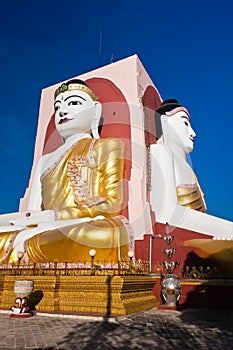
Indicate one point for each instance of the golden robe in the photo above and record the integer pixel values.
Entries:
(191, 196)
(87, 181)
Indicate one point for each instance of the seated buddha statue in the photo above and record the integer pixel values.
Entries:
(76, 195)
(176, 196)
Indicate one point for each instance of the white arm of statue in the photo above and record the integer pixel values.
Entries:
(46, 226)
(35, 200)
(163, 187)
(164, 200)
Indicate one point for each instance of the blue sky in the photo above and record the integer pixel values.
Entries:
(185, 46)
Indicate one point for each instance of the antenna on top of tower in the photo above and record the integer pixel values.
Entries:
(112, 58)
(100, 45)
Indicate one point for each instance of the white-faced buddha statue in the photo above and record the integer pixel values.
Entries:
(176, 196)
(76, 195)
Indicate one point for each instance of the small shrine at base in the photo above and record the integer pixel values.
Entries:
(110, 184)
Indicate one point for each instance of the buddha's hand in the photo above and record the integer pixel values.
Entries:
(99, 217)
(34, 218)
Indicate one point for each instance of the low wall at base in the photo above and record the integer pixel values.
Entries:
(214, 293)
(90, 295)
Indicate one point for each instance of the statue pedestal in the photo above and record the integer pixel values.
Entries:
(24, 315)
(107, 296)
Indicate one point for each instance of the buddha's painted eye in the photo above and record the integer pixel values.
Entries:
(186, 123)
(56, 107)
(74, 103)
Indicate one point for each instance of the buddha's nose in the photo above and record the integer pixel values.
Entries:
(192, 132)
(62, 113)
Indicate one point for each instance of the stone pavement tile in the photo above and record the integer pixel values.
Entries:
(152, 329)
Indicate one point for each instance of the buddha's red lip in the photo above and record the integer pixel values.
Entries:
(65, 120)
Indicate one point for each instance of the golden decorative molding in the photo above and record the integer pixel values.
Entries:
(96, 295)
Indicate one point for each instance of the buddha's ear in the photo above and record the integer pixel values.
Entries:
(158, 125)
(96, 120)
(161, 127)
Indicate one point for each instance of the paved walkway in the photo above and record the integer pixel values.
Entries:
(152, 329)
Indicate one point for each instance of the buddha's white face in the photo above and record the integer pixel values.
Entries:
(74, 113)
(178, 131)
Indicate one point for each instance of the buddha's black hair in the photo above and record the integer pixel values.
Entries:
(166, 106)
(76, 81)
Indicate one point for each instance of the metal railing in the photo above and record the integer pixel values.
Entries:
(75, 269)
(127, 267)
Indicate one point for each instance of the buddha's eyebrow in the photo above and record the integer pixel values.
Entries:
(74, 96)
(184, 116)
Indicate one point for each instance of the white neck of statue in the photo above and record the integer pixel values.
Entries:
(176, 150)
(76, 136)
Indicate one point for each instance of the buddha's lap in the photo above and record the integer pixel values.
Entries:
(72, 242)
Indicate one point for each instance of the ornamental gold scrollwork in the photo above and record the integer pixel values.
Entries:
(80, 172)
(200, 272)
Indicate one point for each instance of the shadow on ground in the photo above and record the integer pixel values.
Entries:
(154, 330)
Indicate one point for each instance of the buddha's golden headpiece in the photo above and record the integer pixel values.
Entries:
(75, 84)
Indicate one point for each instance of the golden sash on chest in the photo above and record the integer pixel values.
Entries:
(191, 196)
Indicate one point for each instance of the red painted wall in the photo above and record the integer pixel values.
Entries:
(185, 255)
